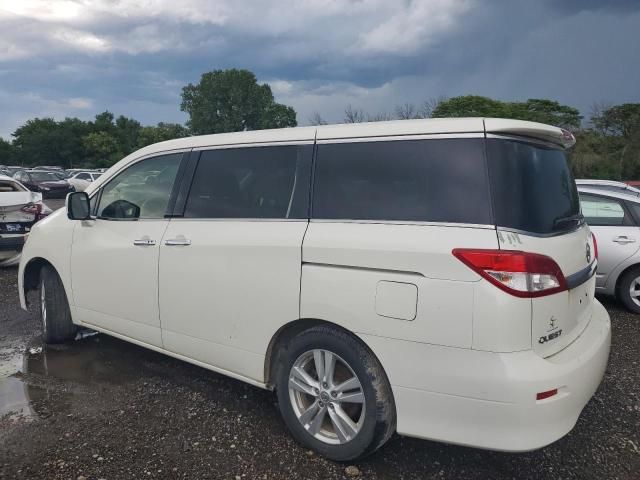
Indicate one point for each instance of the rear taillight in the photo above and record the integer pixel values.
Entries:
(518, 273)
(34, 209)
(595, 245)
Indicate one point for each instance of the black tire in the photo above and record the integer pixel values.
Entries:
(624, 294)
(53, 308)
(379, 421)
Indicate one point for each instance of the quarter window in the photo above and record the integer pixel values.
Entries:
(441, 180)
(252, 182)
(600, 211)
(141, 191)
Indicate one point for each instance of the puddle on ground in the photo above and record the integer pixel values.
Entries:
(35, 380)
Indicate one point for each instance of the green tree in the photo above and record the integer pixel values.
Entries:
(102, 149)
(43, 141)
(231, 101)
(619, 120)
(127, 132)
(470, 106)
(160, 133)
(545, 111)
(534, 109)
(6, 152)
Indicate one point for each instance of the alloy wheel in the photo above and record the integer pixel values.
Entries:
(326, 396)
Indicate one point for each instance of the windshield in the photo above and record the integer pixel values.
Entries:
(43, 177)
(532, 186)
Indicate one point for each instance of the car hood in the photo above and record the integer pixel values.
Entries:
(11, 199)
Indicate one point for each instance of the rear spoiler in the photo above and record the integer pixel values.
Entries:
(547, 133)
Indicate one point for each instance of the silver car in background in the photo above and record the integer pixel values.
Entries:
(614, 219)
(609, 185)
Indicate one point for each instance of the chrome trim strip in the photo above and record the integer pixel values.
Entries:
(183, 219)
(582, 276)
(405, 222)
(367, 269)
(274, 143)
(384, 138)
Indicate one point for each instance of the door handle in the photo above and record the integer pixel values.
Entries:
(177, 242)
(623, 239)
(145, 242)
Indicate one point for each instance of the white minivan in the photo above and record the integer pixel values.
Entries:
(433, 278)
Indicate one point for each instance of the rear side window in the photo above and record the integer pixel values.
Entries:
(252, 182)
(532, 186)
(600, 211)
(440, 180)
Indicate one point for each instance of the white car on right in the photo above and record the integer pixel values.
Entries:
(81, 180)
(614, 219)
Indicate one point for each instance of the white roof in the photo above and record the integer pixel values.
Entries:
(371, 129)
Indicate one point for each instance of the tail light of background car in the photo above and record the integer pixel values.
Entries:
(521, 274)
(34, 209)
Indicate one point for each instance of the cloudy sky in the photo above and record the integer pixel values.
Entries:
(79, 57)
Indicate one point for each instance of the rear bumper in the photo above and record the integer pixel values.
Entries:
(10, 248)
(13, 243)
(488, 400)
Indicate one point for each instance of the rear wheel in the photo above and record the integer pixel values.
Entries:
(54, 311)
(629, 290)
(334, 395)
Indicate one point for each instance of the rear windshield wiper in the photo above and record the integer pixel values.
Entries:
(561, 221)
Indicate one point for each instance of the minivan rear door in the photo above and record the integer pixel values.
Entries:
(537, 210)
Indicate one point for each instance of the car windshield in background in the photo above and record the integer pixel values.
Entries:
(533, 189)
(44, 176)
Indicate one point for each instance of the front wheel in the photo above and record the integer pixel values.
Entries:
(334, 395)
(55, 315)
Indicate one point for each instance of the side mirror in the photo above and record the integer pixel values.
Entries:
(78, 206)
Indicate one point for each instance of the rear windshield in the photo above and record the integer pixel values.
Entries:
(532, 186)
(43, 176)
(6, 186)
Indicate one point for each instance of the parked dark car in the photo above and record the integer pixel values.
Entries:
(48, 183)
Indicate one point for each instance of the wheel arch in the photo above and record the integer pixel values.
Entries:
(31, 274)
(290, 330)
(627, 269)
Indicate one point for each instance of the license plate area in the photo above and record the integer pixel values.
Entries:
(14, 227)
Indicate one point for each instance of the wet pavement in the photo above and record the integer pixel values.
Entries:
(99, 407)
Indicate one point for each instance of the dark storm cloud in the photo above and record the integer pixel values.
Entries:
(318, 56)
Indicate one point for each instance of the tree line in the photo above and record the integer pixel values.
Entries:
(608, 141)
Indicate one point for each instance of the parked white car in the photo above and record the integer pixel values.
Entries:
(19, 210)
(81, 180)
(614, 219)
(432, 277)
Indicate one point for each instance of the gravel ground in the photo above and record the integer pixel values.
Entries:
(101, 408)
